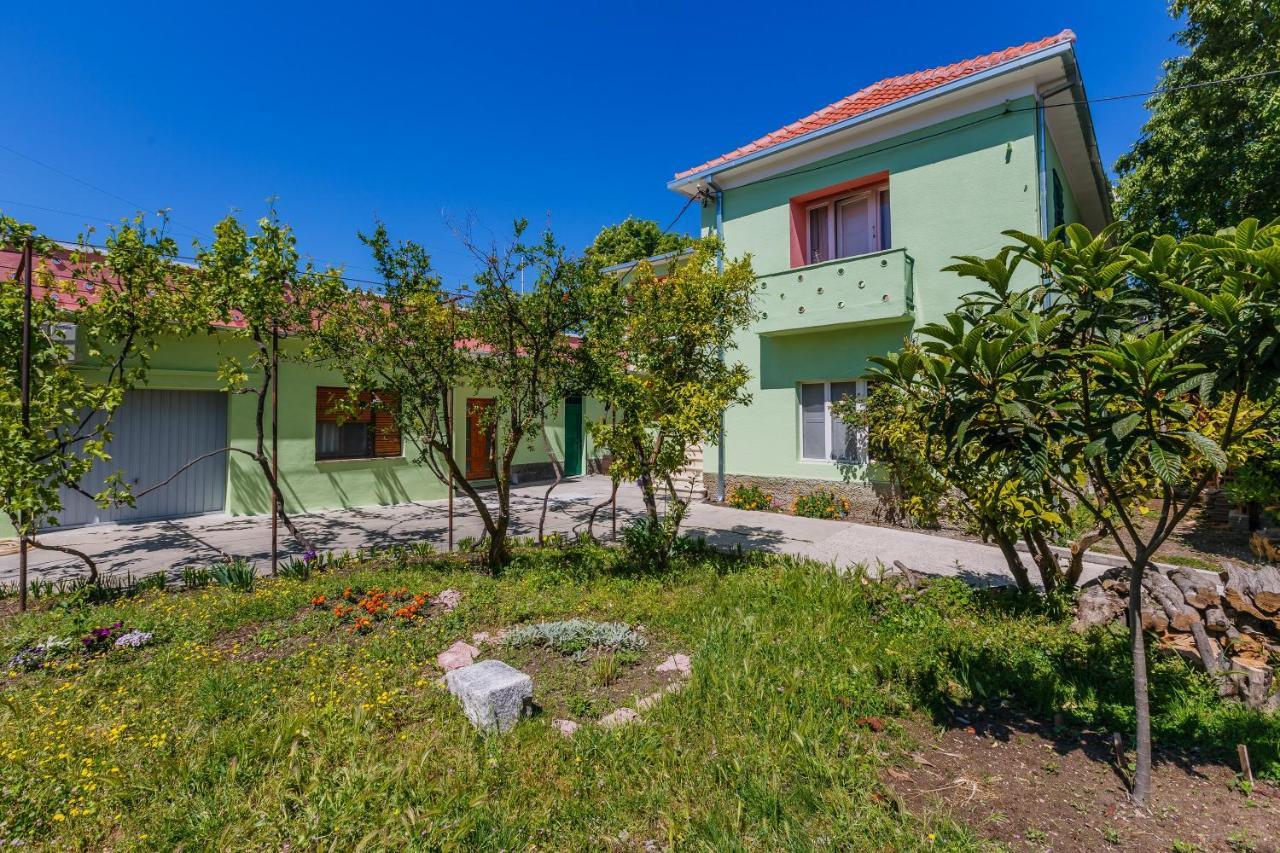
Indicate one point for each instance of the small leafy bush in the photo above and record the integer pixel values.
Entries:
(750, 497)
(577, 635)
(824, 503)
(239, 574)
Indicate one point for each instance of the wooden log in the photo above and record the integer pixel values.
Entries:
(1181, 615)
(1198, 589)
(1266, 589)
(1215, 619)
(1238, 590)
(1154, 618)
(1205, 648)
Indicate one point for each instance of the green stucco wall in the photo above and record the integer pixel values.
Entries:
(1071, 211)
(951, 194)
(308, 484)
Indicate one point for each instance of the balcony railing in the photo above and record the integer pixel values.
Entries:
(858, 291)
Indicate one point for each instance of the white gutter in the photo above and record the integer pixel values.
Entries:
(897, 106)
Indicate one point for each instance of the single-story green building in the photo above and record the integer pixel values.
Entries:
(182, 413)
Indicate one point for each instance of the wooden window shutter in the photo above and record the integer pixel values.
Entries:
(328, 401)
(386, 435)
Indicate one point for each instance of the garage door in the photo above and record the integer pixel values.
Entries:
(154, 434)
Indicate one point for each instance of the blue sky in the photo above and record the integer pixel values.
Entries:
(422, 113)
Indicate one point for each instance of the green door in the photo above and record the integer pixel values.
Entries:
(573, 436)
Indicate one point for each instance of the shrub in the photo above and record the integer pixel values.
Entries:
(239, 574)
(300, 568)
(750, 497)
(824, 503)
(195, 577)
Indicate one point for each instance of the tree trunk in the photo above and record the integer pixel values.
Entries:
(499, 549)
(261, 446)
(546, 496)
(1141, 697)
(1045, 559)
(1079, 548)
(81, 555)
(1014, 561)
(591, 521)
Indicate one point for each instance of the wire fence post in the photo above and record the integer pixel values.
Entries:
(275, 450)
(448, 421)
(27, 261)
(613, 496)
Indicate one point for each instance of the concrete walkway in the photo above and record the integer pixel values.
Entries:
(142, 549)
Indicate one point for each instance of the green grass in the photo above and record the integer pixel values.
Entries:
(253, 720)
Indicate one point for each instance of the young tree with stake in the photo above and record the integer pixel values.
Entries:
(1148, 357)
(658, 344)
(121, 299)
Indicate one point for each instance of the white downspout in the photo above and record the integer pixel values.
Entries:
(1042, 166)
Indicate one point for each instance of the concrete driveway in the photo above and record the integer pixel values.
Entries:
(141, 549)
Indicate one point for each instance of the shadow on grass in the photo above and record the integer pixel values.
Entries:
(1001, 648)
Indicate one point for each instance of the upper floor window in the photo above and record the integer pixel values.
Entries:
(369, 433)
(847, 225)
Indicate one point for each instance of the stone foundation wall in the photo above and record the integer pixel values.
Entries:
(864, 498)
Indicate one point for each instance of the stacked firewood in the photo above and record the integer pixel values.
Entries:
(1228, 624)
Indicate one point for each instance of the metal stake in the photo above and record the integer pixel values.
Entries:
(27, 262)
(613, 497)
(275, 450)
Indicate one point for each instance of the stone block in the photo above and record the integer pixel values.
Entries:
(493, 695)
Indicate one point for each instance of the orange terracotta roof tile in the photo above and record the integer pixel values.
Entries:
(882, 94)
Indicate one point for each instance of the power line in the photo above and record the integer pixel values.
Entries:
(1010, 111)
(91, 186)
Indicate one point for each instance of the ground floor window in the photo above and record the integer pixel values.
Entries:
(369, 433)
(823, 436)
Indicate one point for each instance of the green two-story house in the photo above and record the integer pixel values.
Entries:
(851, 212)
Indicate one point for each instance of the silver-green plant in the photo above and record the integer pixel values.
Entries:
(577, 635)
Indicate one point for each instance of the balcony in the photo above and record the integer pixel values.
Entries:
(867, 289)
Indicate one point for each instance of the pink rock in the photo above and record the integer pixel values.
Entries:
(458, 655)
(481, 637)
(620, 717)
(676, 663)
(449, 598)
(646, 702)
(565, 727)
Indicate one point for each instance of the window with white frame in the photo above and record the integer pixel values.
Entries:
(847, 225)
(823, 436)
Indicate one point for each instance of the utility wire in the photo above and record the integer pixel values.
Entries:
(1010, 111)
(94, 187)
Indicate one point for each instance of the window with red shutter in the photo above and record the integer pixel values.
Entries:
(367, 433)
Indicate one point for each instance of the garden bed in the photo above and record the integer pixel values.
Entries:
(283, 726)
(1032, 786)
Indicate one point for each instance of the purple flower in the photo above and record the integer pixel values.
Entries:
(309, 555)
(133, 639)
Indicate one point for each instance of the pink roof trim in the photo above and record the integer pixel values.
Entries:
(881, 94)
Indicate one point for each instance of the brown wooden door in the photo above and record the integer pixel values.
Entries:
(480, 436)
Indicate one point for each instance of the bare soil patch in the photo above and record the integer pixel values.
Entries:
(1023, 783)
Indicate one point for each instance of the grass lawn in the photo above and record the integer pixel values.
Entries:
(254, 719)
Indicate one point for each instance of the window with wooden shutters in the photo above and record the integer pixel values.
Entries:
(366, 433)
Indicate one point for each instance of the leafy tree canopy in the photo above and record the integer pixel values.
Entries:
(1210, 155)
(633, 240)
